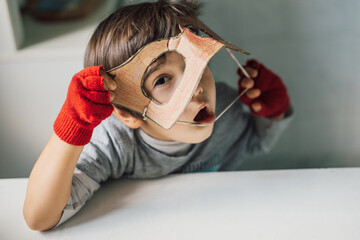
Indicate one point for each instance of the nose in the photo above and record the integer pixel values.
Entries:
(199, 90)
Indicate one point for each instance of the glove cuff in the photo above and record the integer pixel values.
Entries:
(70, 131)
(281, 110)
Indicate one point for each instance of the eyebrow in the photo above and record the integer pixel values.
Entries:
(154, 66)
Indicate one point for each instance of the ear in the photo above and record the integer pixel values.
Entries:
(128, 119)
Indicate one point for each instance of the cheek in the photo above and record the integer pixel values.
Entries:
(208, 82)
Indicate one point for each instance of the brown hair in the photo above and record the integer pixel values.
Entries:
(128, 29)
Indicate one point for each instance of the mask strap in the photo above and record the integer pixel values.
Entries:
(144, 114)
(232, 103)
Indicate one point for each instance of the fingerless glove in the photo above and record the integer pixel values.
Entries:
(86, 105)
(274, 97)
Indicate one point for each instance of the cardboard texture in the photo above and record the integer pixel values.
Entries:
(196, 50)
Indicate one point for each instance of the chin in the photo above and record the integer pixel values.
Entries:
(200, 136)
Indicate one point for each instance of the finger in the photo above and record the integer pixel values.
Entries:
(92, 83)
(256, 107)
(97, 97)
(252, 72)
(112, 96)
(109, 83)
(253, 93)
(98, 112)
(246, 83)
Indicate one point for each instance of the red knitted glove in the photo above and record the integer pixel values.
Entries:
(86, 105)
(273, 98)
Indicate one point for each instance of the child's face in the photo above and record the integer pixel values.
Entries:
(162, 78)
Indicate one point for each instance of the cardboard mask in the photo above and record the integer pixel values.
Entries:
(196, 51)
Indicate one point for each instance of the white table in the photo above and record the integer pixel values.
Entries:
(283, 204)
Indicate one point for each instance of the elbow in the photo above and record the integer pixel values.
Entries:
(36, 222)
(33, 225)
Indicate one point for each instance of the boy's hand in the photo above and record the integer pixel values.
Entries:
(267, 96)
(86, 105)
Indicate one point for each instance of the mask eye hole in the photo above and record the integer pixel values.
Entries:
(163, 76)
(197, 31)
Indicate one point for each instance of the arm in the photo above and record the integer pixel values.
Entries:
(269, 103)
(250, 135)
(50, 182)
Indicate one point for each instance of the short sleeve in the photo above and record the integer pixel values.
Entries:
(83, 187)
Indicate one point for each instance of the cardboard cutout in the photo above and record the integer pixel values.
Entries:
(196, 50)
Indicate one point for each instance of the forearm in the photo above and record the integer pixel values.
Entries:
(270, 130)
(49, 185)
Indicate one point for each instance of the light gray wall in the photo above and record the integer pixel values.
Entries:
(313, 45)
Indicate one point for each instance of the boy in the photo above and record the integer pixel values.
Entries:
(125, 144)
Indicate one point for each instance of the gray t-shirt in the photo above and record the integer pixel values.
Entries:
(116, 151)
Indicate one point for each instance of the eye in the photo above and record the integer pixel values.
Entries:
(161, 80)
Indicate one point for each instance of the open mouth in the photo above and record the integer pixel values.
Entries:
(205, 116)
